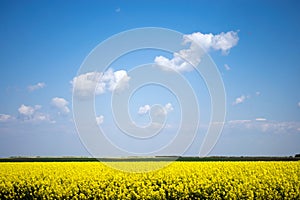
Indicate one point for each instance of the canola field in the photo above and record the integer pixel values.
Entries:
(179, 180)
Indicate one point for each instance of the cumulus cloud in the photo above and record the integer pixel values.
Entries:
(176, 63)
(31, 114)
(61, 104)
(146, 108)
(168, 108)
(5, 118)
(197, 43)
(85, 85)
(240, 99)
(28, 110)
(222, 41)
(36, 86)
(117, 80)
(99, 119)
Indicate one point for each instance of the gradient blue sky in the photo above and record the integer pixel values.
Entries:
(46, 41)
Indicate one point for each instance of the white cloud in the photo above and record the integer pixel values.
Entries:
(222, 41)
(28, 114)
(117, 80)
(5, 118)
(239, 121)
(198, 42)
(144, 109)
(38, 117)
(168, 108)
(36, 86)
(243, 98)
(264, 125)
(261, 119)
(177, 63)
(299, 104)
(100, 119)
(28, 110)
(227, 67)
(31, 114)
(240, 99)
(61, 104)
(85, 85)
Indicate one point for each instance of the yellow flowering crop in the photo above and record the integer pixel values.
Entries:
(179, 180)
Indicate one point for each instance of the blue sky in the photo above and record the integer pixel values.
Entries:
(44, 43)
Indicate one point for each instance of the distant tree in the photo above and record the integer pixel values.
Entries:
(297, 155)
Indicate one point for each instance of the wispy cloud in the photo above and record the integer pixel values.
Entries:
(264, 125)
(261, 119)
(6, 118)
(226, 66)
(36, 86)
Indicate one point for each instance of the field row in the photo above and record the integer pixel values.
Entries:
(179, 180)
